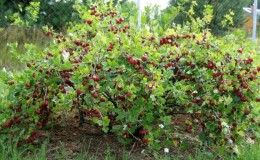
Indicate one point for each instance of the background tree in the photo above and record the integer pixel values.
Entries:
(56, 14)
(221, 8)
(53, 13)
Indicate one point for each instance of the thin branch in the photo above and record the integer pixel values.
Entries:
(132, 149)
(108, 96)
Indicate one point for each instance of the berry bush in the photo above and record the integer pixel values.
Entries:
(133, 83)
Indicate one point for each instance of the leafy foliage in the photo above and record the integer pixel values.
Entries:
(36, 13)
(222, 10)
(134, 82)
(31, 13)
(30, 18)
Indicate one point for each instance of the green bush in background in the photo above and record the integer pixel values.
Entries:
(221, 9)
(51, 13)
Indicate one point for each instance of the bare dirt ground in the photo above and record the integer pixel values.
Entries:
(68, 141)
(67, 136)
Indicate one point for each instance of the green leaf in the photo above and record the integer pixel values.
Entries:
(105, 129)
(153, 98)
(202, 136)
(149, 117)
(184, 145)
(222, 150)
(106, 121)
(167, 120)
(66, 66)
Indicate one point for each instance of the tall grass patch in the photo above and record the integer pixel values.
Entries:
(21, 36)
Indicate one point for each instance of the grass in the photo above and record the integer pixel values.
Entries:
(247, 152)
(22, 36)
(3, 89)
(8, 150)
(250, 152)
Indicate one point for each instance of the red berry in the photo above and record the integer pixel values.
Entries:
(153, 63)
(89, 22)
(188, 130)
(79, 92)
(250, 60)
(49, 34)
(200, 86)
(95, 95)
(119, 88)
(102, 99)
(37, 112)
(219, 126)
(77, 43)
(76, 61)
(96, 78)
(246, 112)
(235, 89)
(75, 102)
(34, 133)
(11, 107)
(17, 120)
(132, 61)
(44, 105)
(239, 76)
(41, 70)
(84, 83)
(27, 85)
(36, 85)
(170, 64)
(128, 94)
(50, 54)
(9, 123)
(30, 140)
(145, 141)
(126, 135)
(144, 58)
(142, 132)
(245, 86)
(145, 132)
(28, 65)
(195, 101)
(96, 111)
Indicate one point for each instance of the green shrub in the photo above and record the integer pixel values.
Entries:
(133, 83)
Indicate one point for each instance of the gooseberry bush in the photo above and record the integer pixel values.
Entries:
(133, 83)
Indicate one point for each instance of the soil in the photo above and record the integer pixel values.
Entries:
(67, 136)
(67, 141)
